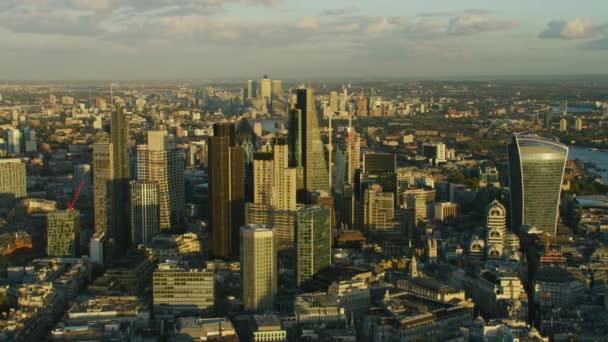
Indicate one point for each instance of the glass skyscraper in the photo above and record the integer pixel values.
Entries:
(536, 171)
(313, 241)
(226, 191)
(306, 146)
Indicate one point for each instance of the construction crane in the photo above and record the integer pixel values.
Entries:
(76, 194)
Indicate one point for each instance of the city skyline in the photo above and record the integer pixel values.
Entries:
(211, 39)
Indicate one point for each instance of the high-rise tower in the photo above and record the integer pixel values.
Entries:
(306, 146)
(160, 163)
(536, 172)
(103, 175)
(258, 268)
(313, 241)
(12, 182)
(63, 233)
(119, 215)
(226, 191)
(145, 211)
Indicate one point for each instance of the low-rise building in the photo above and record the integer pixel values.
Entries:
(178, 289)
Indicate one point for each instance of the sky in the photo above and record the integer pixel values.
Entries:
(300, 39)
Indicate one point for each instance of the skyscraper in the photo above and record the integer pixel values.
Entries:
(12, 182)
(103, 175)
(145, 211)
(252, 89)
(30, 142)
(353, 155)
(313, 241)
(277, 89)
(119, 219)
(63, 233)
(285, 177)
(536, 172)
(274, 181)
(13, 142)
(266, 89)
(226, 191)
(258, 268)
(333, 101)
(160, 163)
(263, 176)
(305, 142)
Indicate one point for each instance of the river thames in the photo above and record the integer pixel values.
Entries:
(597, 157)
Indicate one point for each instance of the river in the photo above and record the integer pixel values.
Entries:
(597, 157)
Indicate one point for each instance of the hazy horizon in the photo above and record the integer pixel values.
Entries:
(294, 40)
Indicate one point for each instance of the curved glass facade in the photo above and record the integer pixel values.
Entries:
(536, 171)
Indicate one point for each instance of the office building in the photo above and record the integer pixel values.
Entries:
(12, 182)
(433, 151)
(563, 125)
(145, 211)
(252, 89)
(103, 175)
(563, 107)
(285, 178)
(63, 234)
(266, 328)
(206, 329)
(536, 171)
(578, 124)
(333, 101)
(31, 144)
(266, 89)
(353, 155)
(306, 146)
(274, 181)
(276, 89)
(119, 219)
(313, 241)
(378, 168)
(258, 268)
(82, 173)
(160, 163)
(263, 176)
(13, 142)
(379, 210)
(548, 120)
(447, 212)
(282, 223)
(226, 191)
(180, 290)
(375, 162)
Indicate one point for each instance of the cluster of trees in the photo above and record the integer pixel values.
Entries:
(588, 187)
(460, 178)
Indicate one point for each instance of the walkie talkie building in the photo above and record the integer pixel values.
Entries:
(536, 172)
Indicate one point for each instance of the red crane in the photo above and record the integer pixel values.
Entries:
(71, 204)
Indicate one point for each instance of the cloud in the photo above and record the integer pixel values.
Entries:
(340, 11)
(455, 13)
(574, 29)
(308, 22)
(598, 44)
(379, 26)
(472, 23)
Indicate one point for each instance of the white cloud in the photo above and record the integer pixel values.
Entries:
(473, 23)
(380, 26)
(574, 29)
(308, 22)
